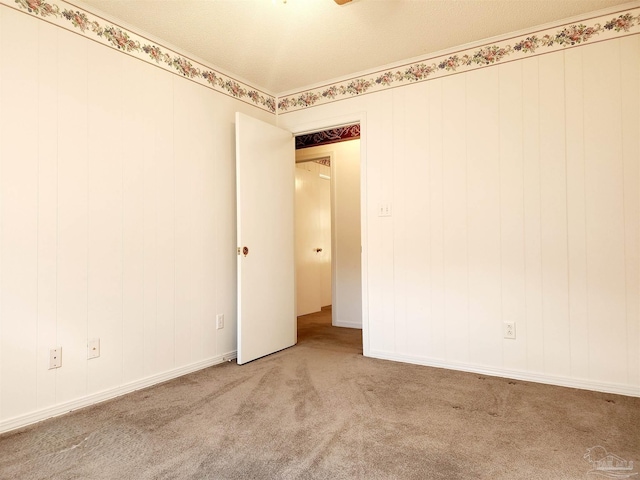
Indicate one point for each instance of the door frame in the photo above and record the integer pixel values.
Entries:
(327, 124)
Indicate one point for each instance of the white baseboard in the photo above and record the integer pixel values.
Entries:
(348, 325)
(62, 408)
(619, 389)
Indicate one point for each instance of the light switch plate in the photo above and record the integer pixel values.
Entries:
(384, 210)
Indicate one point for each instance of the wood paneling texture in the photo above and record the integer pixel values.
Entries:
(2, 155)
(604, 208)
(512, 218)
(553, 215)
(72, 178)
(532, 216)
(515, 197)
(434, 156)
(137, 276)
(19, 234)
(630, 94)
(483, 216)
(514, 189)
(104, 216)
(400, 233)
(116, 206)
(381, 246)
(455, 217)
(48, 107)
(416, 246)
(576, 222)
(539, 195)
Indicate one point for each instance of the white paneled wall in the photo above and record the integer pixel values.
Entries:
(2, 137)
(630, 141)
(515, 193)
(117, 208)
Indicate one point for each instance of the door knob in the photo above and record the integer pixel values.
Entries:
(318, 250)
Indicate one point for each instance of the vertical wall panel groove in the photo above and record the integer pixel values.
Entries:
(137, 139)
(381, 247)
(184, 157)
(576, 217)
(416, 244)
(630, 132)
(19, 190)
(456, 263)
(483, 216)
(532, 216)
(3, 119)
(399, 219)
(105, 210)
(165, 217)
(47, 210)
(512, 241)
(71, 380)
(388, 227)
(553, 215)
(605, 213)
(436, 218)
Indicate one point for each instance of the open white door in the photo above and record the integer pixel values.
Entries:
(313, 237)
(265, 179)
(307, 228)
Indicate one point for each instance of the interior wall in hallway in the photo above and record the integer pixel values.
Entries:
(313, 236)
(346, 250)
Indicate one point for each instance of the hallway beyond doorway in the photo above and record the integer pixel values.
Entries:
(315, 330)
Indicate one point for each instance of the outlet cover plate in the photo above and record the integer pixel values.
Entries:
(55, 357)
(93, 348)
(220, 321)
(509, 330)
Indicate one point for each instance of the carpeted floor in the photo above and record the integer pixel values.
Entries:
(320, 410)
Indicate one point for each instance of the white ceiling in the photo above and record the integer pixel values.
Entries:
(285, 46)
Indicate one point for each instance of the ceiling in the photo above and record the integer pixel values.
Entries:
(281, 46)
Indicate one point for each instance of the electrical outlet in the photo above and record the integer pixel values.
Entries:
(509, 329)
(93, 348)
(220, 321)
(55, 358)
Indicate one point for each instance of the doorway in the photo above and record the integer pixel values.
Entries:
(265, 157)
(328, 243)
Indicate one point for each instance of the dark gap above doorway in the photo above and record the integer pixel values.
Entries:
(325, 137)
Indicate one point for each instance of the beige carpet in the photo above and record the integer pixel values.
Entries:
(320, 410)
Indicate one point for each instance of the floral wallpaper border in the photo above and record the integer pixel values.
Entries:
(326, 137)
(324, 161)
(77, 20)
(538, 43)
